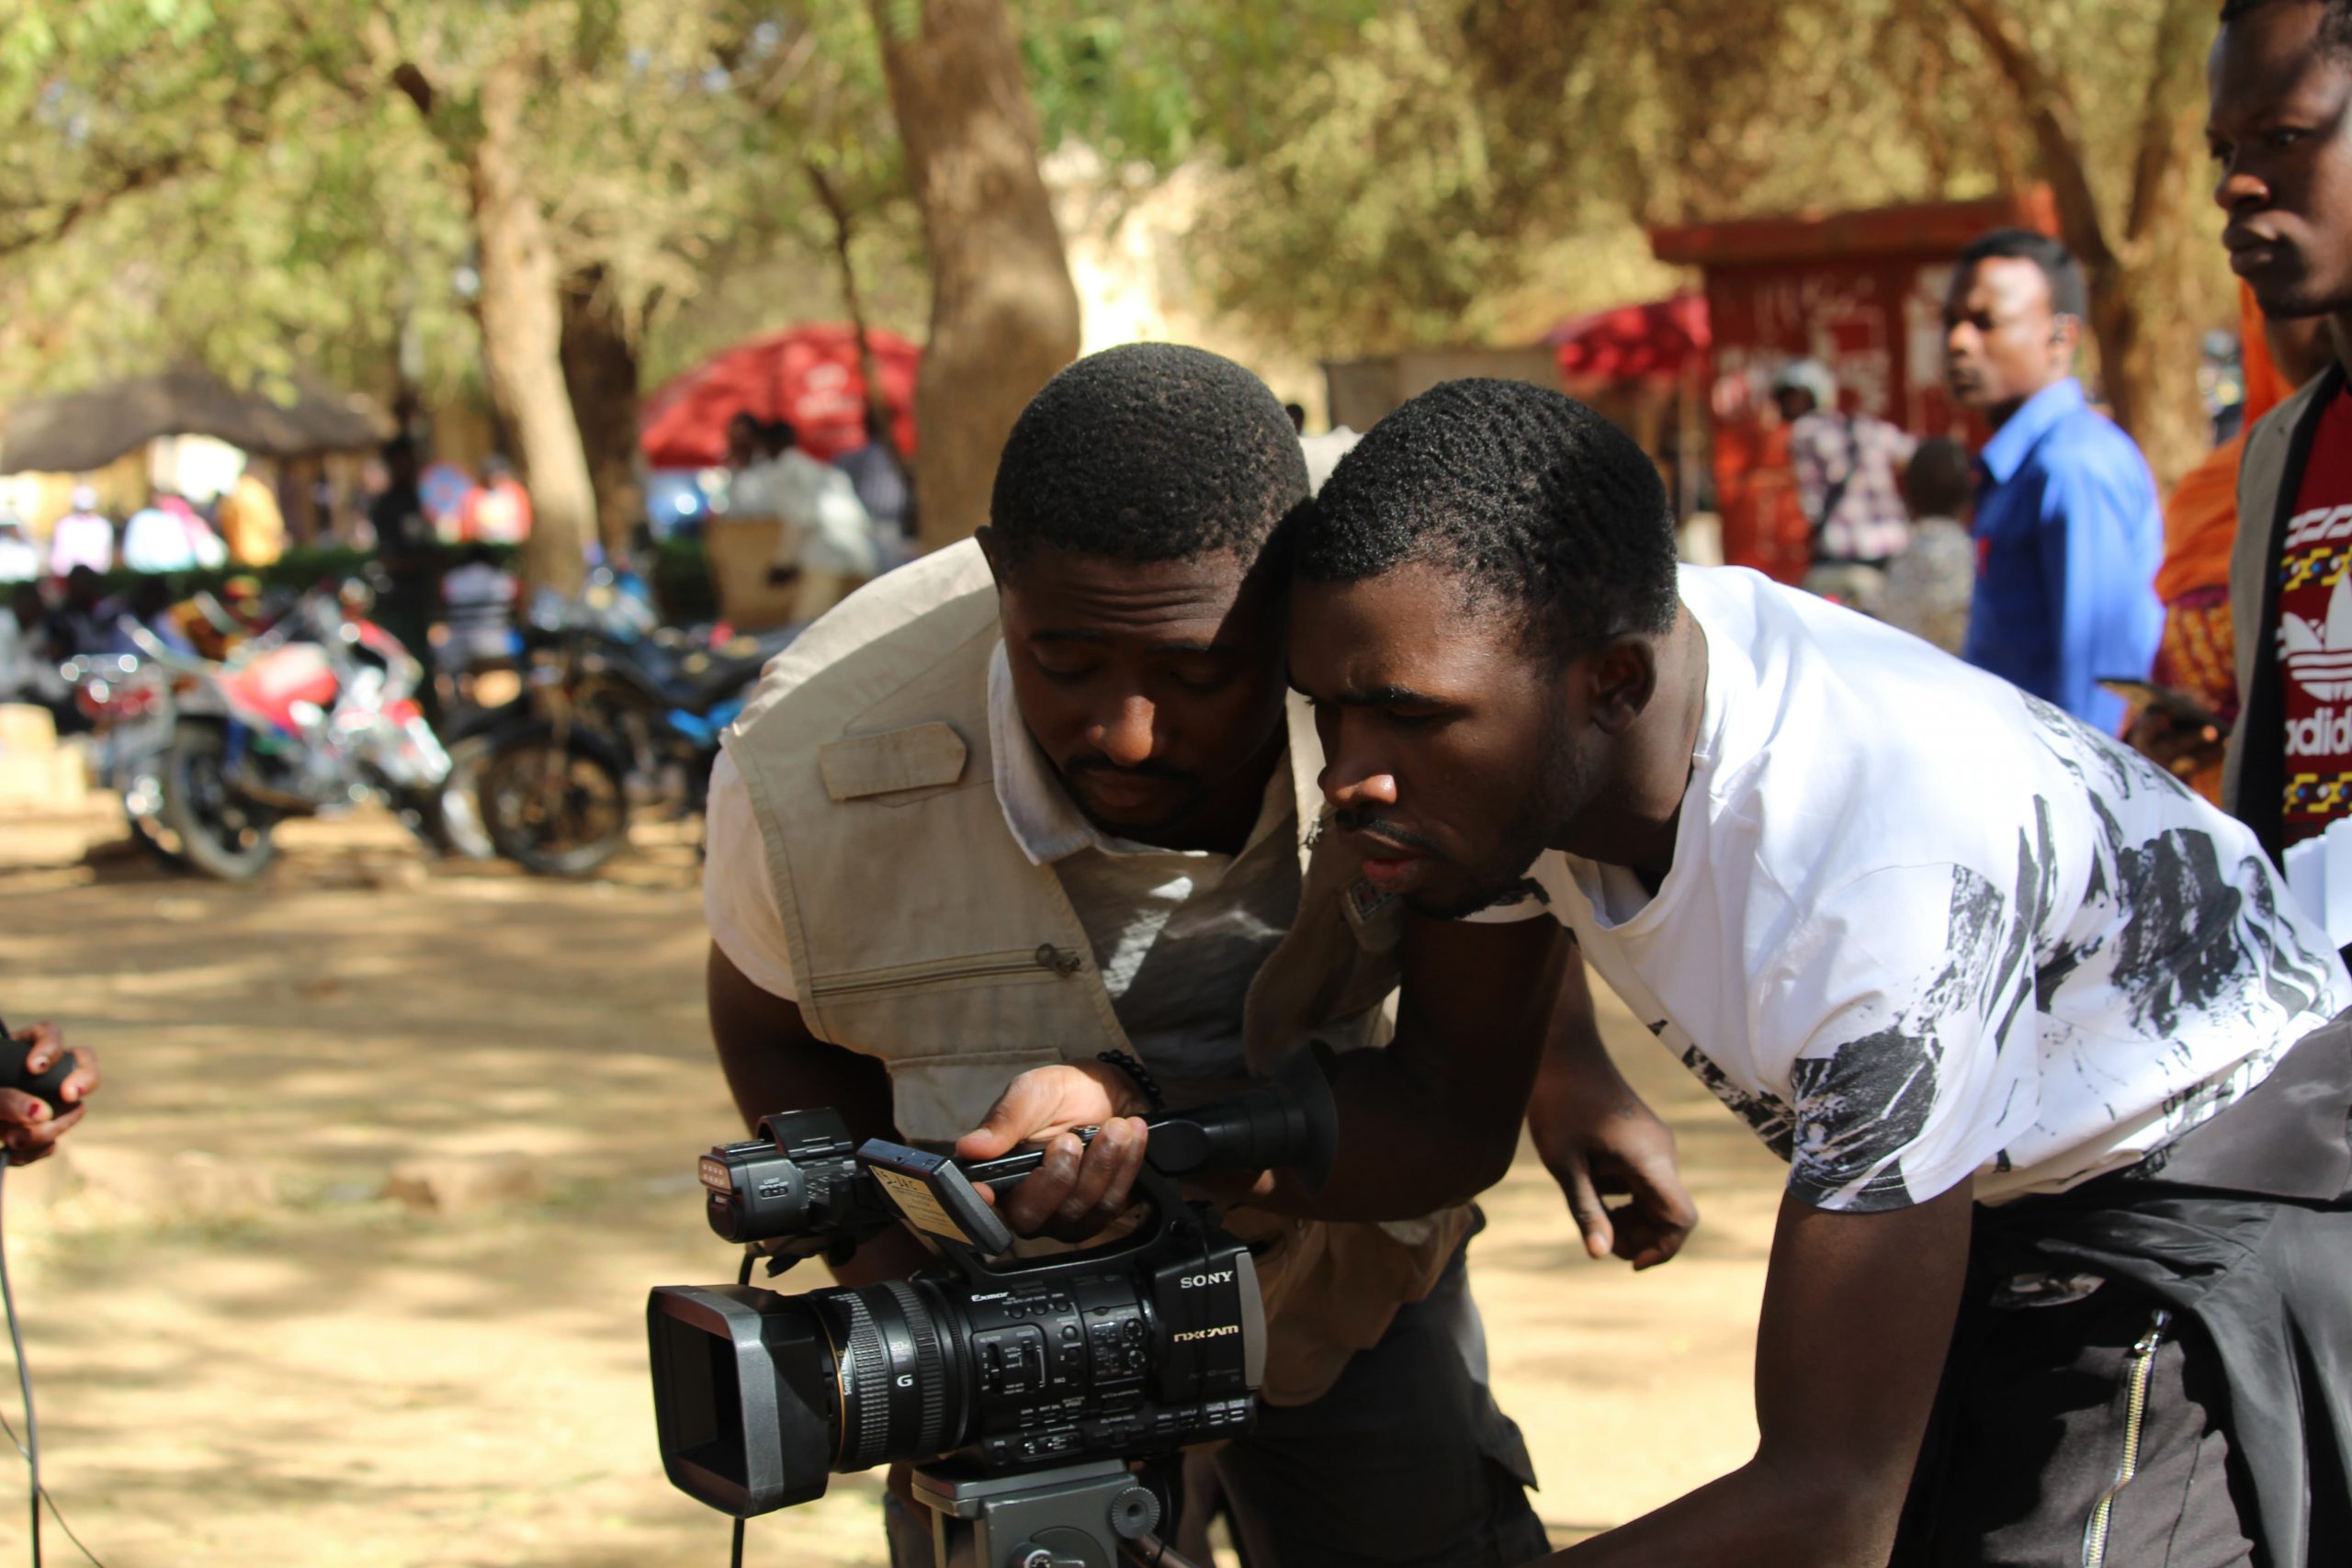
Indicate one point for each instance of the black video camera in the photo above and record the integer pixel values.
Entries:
(1135, 1346)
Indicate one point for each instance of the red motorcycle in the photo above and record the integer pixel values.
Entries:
(317, 714)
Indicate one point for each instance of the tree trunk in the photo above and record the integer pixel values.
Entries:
(522, 330)
(1003, 314)
(2142, 268)
(2145, 308)
(600, 374)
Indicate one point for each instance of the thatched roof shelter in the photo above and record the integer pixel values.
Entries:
(82, 430)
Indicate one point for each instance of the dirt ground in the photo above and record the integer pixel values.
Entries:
(246, 1353)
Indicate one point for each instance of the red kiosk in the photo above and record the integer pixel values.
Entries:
(1864, 293)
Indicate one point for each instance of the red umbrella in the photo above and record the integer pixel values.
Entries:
(808, 375)
(1633, 343)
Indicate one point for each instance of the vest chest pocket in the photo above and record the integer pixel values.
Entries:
(1010, 967)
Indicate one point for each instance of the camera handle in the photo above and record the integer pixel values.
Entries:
(1095, 1515)
(1173, 1218)
(1292, 1122)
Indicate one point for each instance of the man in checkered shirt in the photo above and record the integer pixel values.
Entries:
(1848, 469)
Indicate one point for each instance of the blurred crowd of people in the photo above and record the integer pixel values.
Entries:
(839, 524)
(2047, 555)
(241, 526)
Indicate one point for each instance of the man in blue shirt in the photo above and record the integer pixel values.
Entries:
(2068, 529)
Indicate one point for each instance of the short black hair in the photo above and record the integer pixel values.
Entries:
(1535, 502)
(2069, 295)
(2335, 23)
(1147, 452)
(1940, 480)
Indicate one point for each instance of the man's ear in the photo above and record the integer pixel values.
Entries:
(2066, 339)
(1622, 678)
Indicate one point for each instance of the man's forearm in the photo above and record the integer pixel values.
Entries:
(1410, 1147)
(1756, 1518)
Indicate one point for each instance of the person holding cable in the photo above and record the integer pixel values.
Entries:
(2063, 1270)
(1039, 800)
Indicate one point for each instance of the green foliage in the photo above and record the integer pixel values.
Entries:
(1161, 82)
(1431, 173)
(249, 183)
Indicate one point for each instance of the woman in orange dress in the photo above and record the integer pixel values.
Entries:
(2198, 655)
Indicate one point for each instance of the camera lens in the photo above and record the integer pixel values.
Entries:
(758, 1397)
(890, 1364)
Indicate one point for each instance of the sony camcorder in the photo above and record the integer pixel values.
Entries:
(1134, 1347)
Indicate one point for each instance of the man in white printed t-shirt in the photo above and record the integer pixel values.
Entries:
(2055, 1063)
(1042, 798)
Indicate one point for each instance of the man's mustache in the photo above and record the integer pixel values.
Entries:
(1359, 819)
(1162, 771)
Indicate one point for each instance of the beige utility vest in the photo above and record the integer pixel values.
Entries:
(923, 935)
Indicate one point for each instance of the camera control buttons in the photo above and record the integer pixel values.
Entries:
(1011, 1360)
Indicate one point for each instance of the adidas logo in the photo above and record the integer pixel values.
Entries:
(2319, 655)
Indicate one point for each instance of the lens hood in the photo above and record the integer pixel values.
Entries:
(744, 1395)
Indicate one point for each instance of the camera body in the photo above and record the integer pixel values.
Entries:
(1135, 1346)
(799, 1183)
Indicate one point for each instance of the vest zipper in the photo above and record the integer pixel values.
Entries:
(1061, 962)
(2135, 1413)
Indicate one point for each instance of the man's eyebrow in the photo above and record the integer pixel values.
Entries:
(1375, 697)
(1099, 638)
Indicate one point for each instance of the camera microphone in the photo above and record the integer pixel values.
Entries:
(1292, 1122)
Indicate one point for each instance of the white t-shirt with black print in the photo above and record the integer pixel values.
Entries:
(1921, 925)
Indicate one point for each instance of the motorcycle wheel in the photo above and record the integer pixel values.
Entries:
(443, 820)
(160, 843)
(556, 807)
(142, 813)
(220, 834)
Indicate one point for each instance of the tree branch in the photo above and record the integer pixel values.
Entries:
(411, 81)
(877, 406)
(2047, 100)
(97, 198)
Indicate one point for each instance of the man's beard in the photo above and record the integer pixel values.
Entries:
(1194, 797)
(1563, 787)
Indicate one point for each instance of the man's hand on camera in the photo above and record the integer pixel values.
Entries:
(1079, 1188)
(27, 1127)
(1597, 1138)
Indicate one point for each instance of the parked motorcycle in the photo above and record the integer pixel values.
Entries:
(130, 706)
(317, 714)
(611, 716)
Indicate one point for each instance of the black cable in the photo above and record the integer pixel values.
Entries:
(742, 1277)
(29, 1445)
(24, 1381)
(1150, 1552)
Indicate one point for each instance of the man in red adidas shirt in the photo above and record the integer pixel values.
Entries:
(2280, 126)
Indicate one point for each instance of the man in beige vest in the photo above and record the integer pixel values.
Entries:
(1042, 797)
